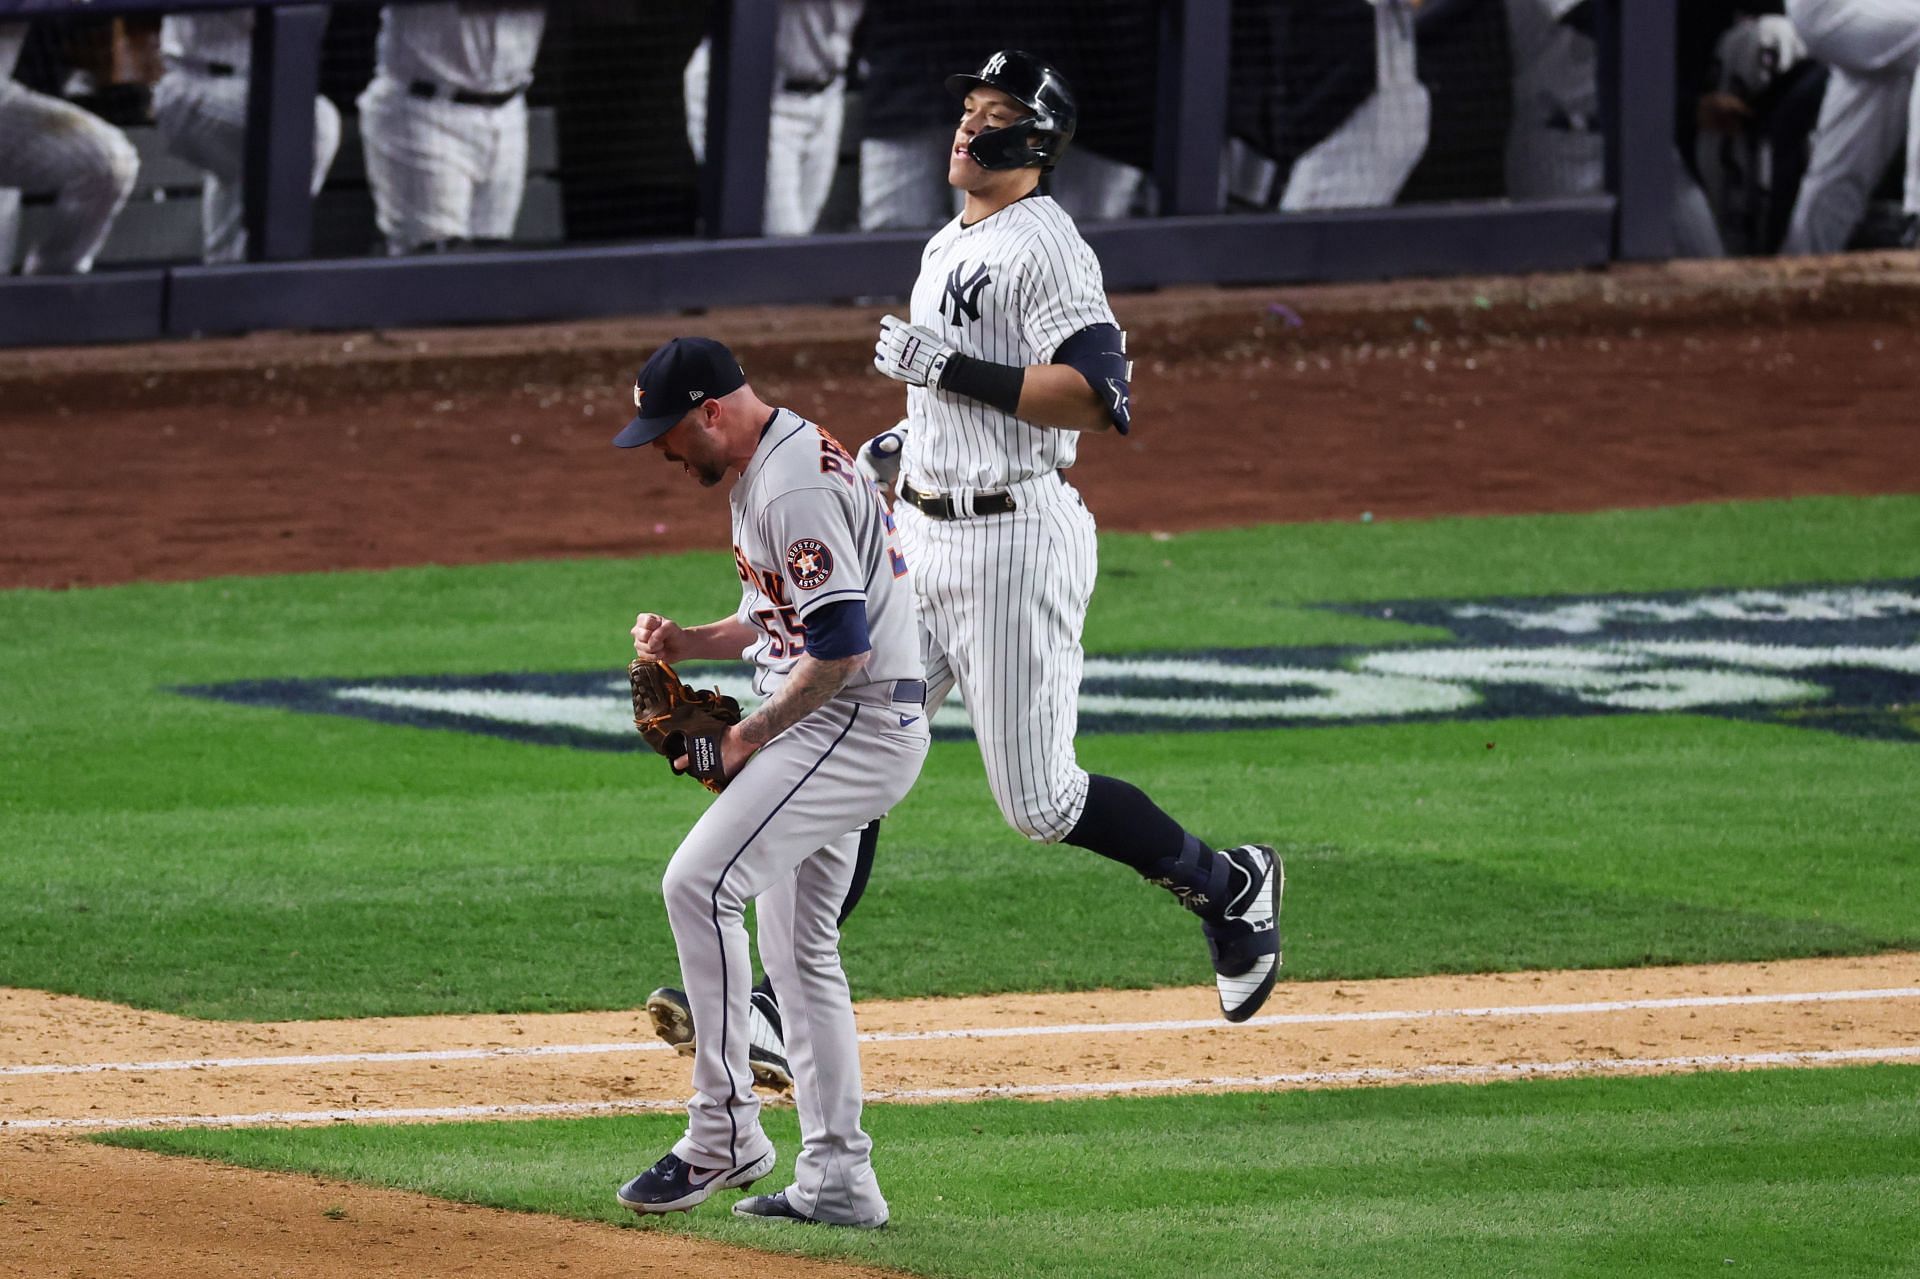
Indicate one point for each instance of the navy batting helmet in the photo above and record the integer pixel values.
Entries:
(1038, 138)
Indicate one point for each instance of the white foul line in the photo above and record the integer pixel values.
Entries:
(1363, 1075)
(985, 1032)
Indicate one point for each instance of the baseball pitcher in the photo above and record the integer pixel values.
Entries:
(826, 618)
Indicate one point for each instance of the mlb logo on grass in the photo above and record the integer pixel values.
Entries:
(1842, 658)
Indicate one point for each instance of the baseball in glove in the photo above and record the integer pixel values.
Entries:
(677, 720)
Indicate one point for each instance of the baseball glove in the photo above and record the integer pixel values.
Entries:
(677, 720)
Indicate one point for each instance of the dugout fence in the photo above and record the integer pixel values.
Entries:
(1222, 141)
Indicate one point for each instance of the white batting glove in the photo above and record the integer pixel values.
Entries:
(879, 458)
(908, 353)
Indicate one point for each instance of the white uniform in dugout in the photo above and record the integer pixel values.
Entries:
(1009, 289)
(49, 145)
(444, 120)
(200, 106)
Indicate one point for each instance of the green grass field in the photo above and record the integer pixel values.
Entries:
(1780, 1173)
(237, 862)
(231, 861)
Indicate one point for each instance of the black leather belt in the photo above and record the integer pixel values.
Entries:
(464, 97)
(943, 508)
(808, 87)
(911, 691)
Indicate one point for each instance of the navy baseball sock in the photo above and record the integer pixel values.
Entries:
(1121, 823)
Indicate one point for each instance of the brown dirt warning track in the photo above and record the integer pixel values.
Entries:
(287, 453)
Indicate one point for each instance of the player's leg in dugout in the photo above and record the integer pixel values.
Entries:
(55, 146)
(203, 119)
(799, 941)
(1872, 48)
(501, 185)
(803, 147)
(422, 161)
(903, 180)
(826, 776)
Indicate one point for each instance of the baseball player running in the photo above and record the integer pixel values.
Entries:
(1011, 354)
(826, 617)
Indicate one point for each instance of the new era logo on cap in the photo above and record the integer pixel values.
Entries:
(681, 374)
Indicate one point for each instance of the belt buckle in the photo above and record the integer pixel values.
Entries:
(925, 498)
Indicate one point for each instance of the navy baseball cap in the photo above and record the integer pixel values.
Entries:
(677, 378)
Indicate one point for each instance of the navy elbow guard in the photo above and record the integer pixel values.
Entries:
(1099, 354)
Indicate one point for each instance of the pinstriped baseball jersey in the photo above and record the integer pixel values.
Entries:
(1010, 288)
(807, 532)
(484, 47)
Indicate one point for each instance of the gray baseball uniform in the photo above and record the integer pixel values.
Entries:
(444, 120)
(50, 145)
(200, 106)
(807, 532)
(1872, 48)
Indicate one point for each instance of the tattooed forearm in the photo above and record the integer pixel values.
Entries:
(812, 683)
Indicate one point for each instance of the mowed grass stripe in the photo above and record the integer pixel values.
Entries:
(242, 863)
(1773, 1172)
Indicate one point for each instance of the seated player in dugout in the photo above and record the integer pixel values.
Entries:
(1011, 353)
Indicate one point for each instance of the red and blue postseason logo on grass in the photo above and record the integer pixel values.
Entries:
(1842, 658)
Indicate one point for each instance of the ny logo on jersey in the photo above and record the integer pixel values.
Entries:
(963, 296)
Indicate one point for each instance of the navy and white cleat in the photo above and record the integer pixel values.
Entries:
(674, 1185)
(1245, 944)
(672, 1019)
(774, 1207)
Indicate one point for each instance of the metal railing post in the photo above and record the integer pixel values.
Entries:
(1193, 104)
(1638, 46)
(279, 167)
(733, 182)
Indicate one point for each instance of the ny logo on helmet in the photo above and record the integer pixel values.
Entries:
(995, 65)
(963, 296)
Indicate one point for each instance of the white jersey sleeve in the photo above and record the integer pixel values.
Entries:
(1061, 288)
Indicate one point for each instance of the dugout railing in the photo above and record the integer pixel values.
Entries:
(1190, 240)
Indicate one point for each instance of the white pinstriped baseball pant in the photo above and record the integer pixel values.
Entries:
(203, 118)
(1003, 605)
(1873, 99)
(50, 145)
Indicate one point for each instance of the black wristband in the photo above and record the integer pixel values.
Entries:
(995, 385)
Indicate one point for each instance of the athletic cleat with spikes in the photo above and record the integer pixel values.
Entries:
(674, 1185)
(1245, 943)
(672, 1019)
(774, 1207)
